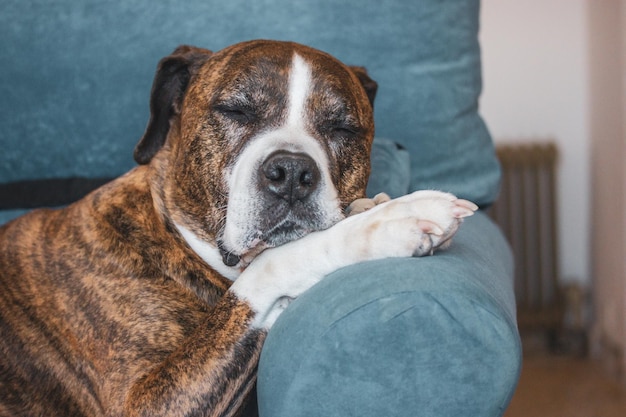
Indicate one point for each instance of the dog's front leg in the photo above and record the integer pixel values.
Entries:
(209, 375)
(413, 225)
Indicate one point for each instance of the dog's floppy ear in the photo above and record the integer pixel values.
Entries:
(368, 84)
(168, 89)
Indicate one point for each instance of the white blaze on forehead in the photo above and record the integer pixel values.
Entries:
(299, 86)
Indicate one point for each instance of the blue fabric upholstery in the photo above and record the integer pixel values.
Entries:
(77, 75)
(432, 336)
(391, 169)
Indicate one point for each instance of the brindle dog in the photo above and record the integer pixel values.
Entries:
(123, 303)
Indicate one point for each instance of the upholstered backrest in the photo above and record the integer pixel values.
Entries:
(76, 76)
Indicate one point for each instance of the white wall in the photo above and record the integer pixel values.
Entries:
(535, 76)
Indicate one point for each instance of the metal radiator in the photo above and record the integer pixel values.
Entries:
(526, 210)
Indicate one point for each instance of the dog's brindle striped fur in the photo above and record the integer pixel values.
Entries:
(105, 308)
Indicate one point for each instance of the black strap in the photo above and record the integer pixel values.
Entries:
(53, 192)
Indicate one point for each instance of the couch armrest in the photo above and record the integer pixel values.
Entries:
(433, 336)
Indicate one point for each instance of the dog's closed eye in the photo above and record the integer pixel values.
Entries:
(345, 130)
(239, 113)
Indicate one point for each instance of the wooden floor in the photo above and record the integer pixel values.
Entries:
(565, 386)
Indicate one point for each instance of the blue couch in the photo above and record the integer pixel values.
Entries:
(434, 336)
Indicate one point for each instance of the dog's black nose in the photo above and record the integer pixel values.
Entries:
(289, 176)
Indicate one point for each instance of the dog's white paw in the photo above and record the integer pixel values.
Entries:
(413, 225)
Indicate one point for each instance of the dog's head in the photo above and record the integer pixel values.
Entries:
(256, 145)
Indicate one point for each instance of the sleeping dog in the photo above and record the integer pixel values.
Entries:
(153, 295)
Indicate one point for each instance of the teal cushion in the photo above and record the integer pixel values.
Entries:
(430, 85)
(391, 169)
(433, 336)
(77, 76)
